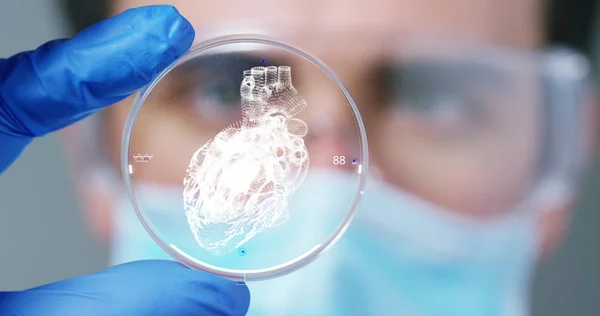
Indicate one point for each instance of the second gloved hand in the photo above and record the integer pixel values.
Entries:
(140, 288)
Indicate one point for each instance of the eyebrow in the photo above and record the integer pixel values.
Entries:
(449, 70)
(446, 75)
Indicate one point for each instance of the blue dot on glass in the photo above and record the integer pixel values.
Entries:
(242, 251)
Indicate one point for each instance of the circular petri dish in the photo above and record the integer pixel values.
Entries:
(227, 161)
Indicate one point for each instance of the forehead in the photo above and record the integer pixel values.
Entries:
(510, 22)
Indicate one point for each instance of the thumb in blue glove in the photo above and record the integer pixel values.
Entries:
(64, 81)
(153, 287)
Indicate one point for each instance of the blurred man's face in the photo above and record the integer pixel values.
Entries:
(473, 156)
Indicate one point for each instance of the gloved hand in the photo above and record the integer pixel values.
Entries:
(143, 288)
(64, 81)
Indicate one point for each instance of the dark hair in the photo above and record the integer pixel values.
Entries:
(568, 22)
(571, 23)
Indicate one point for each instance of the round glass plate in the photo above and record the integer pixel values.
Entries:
(227, 133)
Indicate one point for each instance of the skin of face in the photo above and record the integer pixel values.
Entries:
(461, 173)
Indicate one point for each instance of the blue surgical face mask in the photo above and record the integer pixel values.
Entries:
(400, 256)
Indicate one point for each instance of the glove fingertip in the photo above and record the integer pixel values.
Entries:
(143, 41)
(64, 81)
(192, 290)
(229, 297)
(166, 21)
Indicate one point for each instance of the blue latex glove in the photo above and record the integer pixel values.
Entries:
(143, 288)
(64, 81)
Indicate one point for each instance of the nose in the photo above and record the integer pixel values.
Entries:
(330, 122)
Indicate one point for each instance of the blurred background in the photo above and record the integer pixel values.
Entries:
(42, 232)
